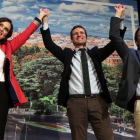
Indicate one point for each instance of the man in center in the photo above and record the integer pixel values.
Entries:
(83, 90)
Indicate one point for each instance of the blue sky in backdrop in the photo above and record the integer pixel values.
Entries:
(64, 14)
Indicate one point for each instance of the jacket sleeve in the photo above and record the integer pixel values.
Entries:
(116, 39)
(56, 50)
(110, 47)
(20, 39)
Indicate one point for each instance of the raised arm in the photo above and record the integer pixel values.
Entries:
(107, 50)
(110, 47)
(56, 50)
(114, 34)
(20, 39)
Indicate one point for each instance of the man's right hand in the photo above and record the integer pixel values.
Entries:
(45, 18)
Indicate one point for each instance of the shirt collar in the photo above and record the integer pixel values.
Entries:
(77, 49)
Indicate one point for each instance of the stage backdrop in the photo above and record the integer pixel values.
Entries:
(38, 72)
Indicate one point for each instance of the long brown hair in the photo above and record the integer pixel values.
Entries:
(4, 19)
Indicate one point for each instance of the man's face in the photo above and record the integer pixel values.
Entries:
(79, 37)
(138, 39)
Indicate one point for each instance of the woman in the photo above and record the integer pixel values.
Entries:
(11, 94)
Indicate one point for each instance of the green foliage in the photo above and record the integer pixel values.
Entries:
(122, 114)
(24, 51)
(113, 76)
(16, 65)
(44, 50)
(39, 76)
(61, 108)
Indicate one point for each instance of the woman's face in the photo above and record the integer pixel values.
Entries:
(4, 29)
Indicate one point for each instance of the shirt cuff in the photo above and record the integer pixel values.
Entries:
(45, 26)
(121, 26)
(117, 16)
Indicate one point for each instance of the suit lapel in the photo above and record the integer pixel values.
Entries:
(70, 56)
(68, 61)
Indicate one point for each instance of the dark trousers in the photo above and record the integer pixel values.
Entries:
(4, 101)
(80, 111)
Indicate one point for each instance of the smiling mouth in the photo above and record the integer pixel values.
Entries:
(80, 39)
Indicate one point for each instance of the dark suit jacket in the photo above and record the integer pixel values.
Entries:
(65, 56)
(131, 68)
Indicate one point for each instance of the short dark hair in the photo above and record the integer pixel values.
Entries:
(4, 19)
(77, 26)
(136, 35)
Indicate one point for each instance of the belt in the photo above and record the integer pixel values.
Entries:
(137, 97)
(84, 96)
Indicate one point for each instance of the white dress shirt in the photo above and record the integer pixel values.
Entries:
(76, 84)
(2, 60)
(138, 89)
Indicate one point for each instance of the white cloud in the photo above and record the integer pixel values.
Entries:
(68, 18)
(29, 18)
(127, 15)
(135, 15)
(88, 0)
(83, 8)
(102, 25)
(35, 7)
(58, 22)
(12, 9)
(8, 3)
(3, 14)
(43, 5)
(52, 21)
(67, 26)
(104, 1)
(10, 0)
(127, 12)
(16, 2)
(17, 16)
(26, 1)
